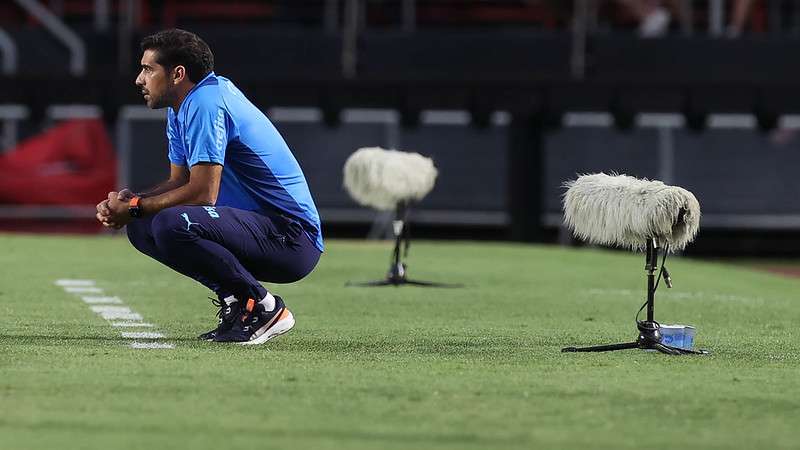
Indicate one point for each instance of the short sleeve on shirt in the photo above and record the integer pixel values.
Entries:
(207, 132)
(177, 154)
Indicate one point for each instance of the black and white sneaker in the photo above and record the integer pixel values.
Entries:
(256, 325)
(229, 310)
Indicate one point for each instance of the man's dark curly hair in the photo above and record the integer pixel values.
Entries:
(177, 47)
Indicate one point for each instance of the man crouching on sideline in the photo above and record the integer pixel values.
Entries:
(236, 207)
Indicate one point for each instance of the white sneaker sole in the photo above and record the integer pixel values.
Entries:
(284, 323)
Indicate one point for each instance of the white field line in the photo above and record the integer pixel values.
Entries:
(83, 290)
(116, 312)
(68, 282)
(132, 324)
(106, 308)
(112, 308)
(151, 345)
(120, 315)
(141, 335)
(101, 299)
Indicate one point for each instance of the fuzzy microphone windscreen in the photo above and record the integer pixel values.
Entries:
(381, 178)
(625, 211)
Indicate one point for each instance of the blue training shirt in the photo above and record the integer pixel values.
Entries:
(216, 123)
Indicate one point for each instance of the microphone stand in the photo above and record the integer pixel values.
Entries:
(396, 276)
(649, 329)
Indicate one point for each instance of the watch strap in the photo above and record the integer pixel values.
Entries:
(134, 207)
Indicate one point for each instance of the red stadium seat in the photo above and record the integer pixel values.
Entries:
(72, 163)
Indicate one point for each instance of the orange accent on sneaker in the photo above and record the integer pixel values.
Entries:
(249, 307)
(284, 314)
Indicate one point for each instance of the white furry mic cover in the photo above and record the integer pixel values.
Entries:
(625, 211)
(381, 178)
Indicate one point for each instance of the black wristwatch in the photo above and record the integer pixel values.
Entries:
(134, 208)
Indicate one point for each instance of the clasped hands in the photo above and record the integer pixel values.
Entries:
(113, 211)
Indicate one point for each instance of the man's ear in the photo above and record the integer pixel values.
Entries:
(178, 74)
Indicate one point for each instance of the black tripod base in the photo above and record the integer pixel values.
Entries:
(666, 349)
(649, 339)
(397, 277)
(402, 281)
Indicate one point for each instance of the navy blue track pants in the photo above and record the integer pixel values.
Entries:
(226, 249)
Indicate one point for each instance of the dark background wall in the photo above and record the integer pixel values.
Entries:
(500, 178)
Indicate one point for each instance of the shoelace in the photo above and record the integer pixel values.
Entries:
(219, 304)
(222, 307)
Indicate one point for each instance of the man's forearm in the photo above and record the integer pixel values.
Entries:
(197, 186)
(160, 188)
(186, 194)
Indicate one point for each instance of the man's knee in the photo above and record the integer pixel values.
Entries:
(173, 224)
(139, 234)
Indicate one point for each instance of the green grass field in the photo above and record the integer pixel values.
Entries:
(368, 368)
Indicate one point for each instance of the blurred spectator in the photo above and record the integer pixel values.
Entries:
(654, 15)
(739, 16)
